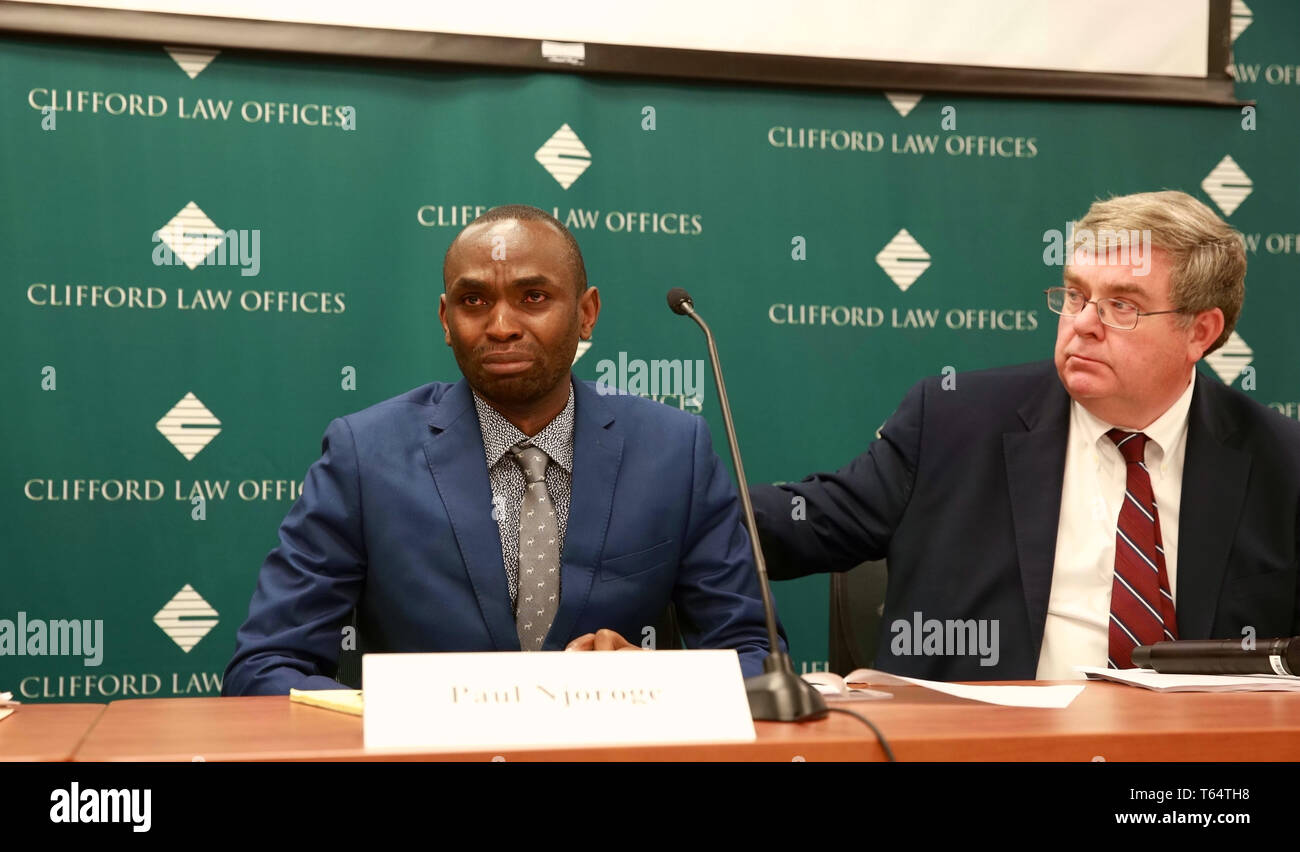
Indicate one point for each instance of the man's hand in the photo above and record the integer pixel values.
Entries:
(602, 640)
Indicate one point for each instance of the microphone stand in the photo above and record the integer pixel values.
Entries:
(777, 695)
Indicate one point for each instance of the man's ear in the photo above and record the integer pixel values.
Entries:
(588, 311)
(442, 318)
(1206, 329)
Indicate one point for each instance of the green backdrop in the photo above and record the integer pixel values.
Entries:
(819, 339)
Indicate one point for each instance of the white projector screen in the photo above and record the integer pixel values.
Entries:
(1165, 49)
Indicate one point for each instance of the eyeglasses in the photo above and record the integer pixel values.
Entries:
(1116, 313)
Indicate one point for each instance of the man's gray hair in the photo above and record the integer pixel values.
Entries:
(1208, 256)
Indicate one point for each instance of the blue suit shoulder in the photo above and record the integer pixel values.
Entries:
(414, 401)
(638, 412)
(407, 413)
(427, 396)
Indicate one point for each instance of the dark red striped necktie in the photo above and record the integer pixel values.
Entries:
(1141, 607)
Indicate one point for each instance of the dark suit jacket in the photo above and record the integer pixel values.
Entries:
(961, 494)
(395, 519)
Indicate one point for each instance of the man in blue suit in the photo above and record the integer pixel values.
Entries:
(1072, 509)
(517, 508)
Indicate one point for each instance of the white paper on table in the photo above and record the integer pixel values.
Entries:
(834, 687)
(1157, 682)
(1052, 696)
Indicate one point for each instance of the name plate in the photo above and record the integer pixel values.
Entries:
(470, 702)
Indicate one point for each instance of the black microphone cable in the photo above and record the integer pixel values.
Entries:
(880, 737)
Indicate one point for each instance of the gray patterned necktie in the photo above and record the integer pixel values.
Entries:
(539, 555)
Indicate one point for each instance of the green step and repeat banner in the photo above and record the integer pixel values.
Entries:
(206, 256)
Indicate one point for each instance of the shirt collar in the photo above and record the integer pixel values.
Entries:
(1164, 431)
(499, 434)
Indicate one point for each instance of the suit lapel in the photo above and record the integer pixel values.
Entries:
(1035, 461)
(1214, 486)
(597, 457)
(454, 449)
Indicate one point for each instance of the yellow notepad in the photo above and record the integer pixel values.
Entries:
(342, 700)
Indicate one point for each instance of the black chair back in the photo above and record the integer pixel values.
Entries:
(857, 603)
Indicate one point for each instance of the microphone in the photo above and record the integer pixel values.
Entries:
(680, 301)
(777, 695)
(1220, 657)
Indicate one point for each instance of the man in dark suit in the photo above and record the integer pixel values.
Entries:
(1057, 514)
(516, 509)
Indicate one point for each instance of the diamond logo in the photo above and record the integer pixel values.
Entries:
(1229, 360)
(1227, 185)
(189, 426)
(1241, 18)
(903, 102)
(191, 235)
(192, 61)
(903, 260)
(564, 156)
(186, 618)
(583, 346)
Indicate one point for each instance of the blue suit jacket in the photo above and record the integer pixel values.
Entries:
(962, 494)
(395, 519)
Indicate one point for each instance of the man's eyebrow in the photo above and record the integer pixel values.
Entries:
(1113, 289)
(517, 284)
(531, 281)
(1127, 289)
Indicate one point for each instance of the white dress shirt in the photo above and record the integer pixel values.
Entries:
(1077, 632)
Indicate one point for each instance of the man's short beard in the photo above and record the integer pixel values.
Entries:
(518, 390)
(521, 389)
